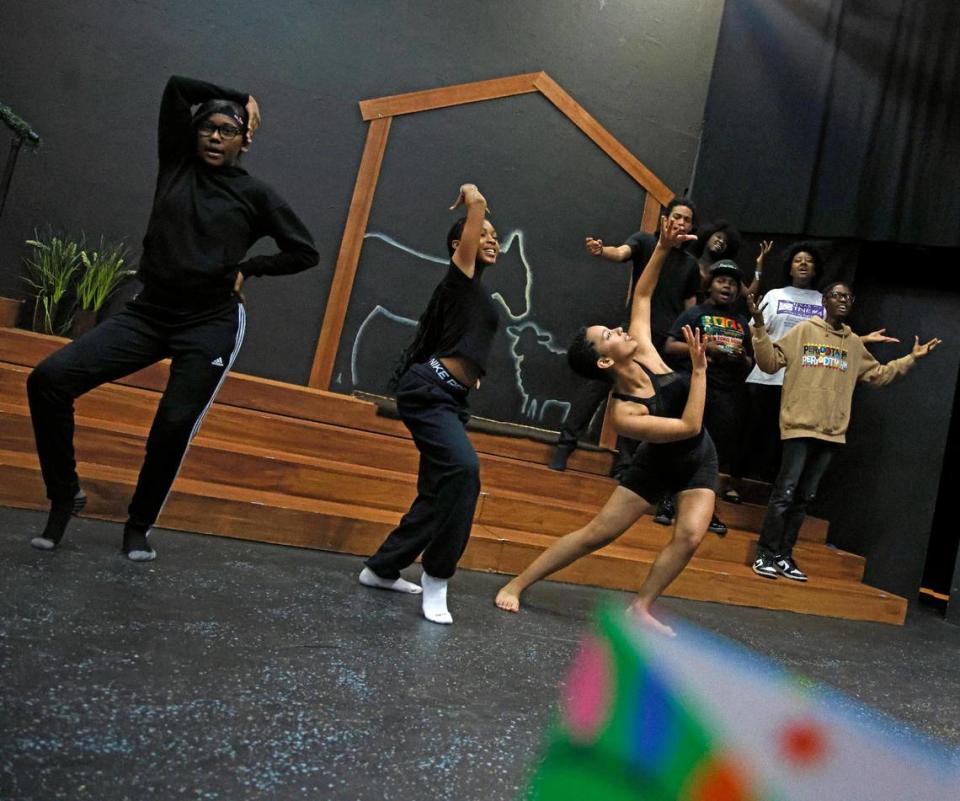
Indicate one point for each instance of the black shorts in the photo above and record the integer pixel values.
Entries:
(669, 468)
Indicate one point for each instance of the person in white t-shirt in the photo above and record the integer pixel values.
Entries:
(794, 300)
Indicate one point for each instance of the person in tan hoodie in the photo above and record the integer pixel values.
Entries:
(824, 360)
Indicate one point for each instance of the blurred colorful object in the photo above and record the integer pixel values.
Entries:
(698, 718)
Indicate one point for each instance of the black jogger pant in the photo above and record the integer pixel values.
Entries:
(201, 352)
(448, 482)
(805, 460)
(760, 449)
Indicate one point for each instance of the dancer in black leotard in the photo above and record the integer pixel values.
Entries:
(663, 410)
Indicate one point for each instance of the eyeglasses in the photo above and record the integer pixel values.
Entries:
(847, 296)
(226, 131)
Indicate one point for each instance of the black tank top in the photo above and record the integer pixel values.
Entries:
(669, 398)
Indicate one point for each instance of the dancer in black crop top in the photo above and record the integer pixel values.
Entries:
(664, 411)
(448, 357)
(207, 212)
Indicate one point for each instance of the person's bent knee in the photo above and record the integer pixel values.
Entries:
(467, 471)
(45, 378)
(689, 539)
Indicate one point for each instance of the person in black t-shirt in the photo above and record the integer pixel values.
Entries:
(726, 335)
(207, 212)
(448, 356)
(676, 291)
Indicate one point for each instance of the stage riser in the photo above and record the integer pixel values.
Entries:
(216, 462)
(20, 485)
(123, 406)
(114, 404)
(26, 349)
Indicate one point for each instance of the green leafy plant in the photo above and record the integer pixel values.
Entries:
(51, 269)
(103, 271)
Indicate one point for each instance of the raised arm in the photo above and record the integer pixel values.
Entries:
(634, 421)
(671, 236)
(465, 256)
(769, 356)
(174, 137)
(754, 287)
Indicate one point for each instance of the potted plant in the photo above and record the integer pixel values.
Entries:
(51, 269)
(102, 272)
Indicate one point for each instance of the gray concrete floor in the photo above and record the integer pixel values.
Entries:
(236, 670)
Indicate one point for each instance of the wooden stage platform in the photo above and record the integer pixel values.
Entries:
(296, 466)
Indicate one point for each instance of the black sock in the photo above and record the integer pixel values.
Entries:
(59, 517)
(135, 543)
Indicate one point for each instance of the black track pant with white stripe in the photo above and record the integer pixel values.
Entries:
(201, 353)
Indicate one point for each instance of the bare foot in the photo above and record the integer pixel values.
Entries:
(507, 599)
(642, 616)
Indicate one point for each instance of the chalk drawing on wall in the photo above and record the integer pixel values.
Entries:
(528, 341)
(531, 344)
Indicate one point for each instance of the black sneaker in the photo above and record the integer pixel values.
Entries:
(717, 526)
(560, 457)
(766, 567)
(665, 512)
(730, 495)
(787, 568)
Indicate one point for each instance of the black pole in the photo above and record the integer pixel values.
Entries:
(15, 144)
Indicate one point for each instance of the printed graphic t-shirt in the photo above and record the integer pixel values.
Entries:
(729, 328)
(782, 309)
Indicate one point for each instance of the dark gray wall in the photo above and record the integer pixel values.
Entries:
(881, 492)
(88, 76)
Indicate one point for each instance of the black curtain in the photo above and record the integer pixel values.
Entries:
(836, 118)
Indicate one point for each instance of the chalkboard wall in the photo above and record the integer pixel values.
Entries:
(88, 76)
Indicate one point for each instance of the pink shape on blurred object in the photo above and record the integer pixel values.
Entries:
(589, 692)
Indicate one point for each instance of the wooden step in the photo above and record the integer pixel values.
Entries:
(254, 468)
(347, 528)
(706, 580)
(113, 405)
(116, 404)
(25, 349)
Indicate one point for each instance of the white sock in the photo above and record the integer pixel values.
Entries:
(435, 600)
(370, 579)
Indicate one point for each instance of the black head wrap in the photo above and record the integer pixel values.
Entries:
(228, 107)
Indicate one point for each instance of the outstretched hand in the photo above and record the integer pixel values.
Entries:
(253, 119)
(594, 246)
(671, 233)
(755, 311)
(877, 336)
(765, 247)
(468, 194)
(920, 351)
(697, 348)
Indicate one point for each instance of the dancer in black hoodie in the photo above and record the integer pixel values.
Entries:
(207, 212)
